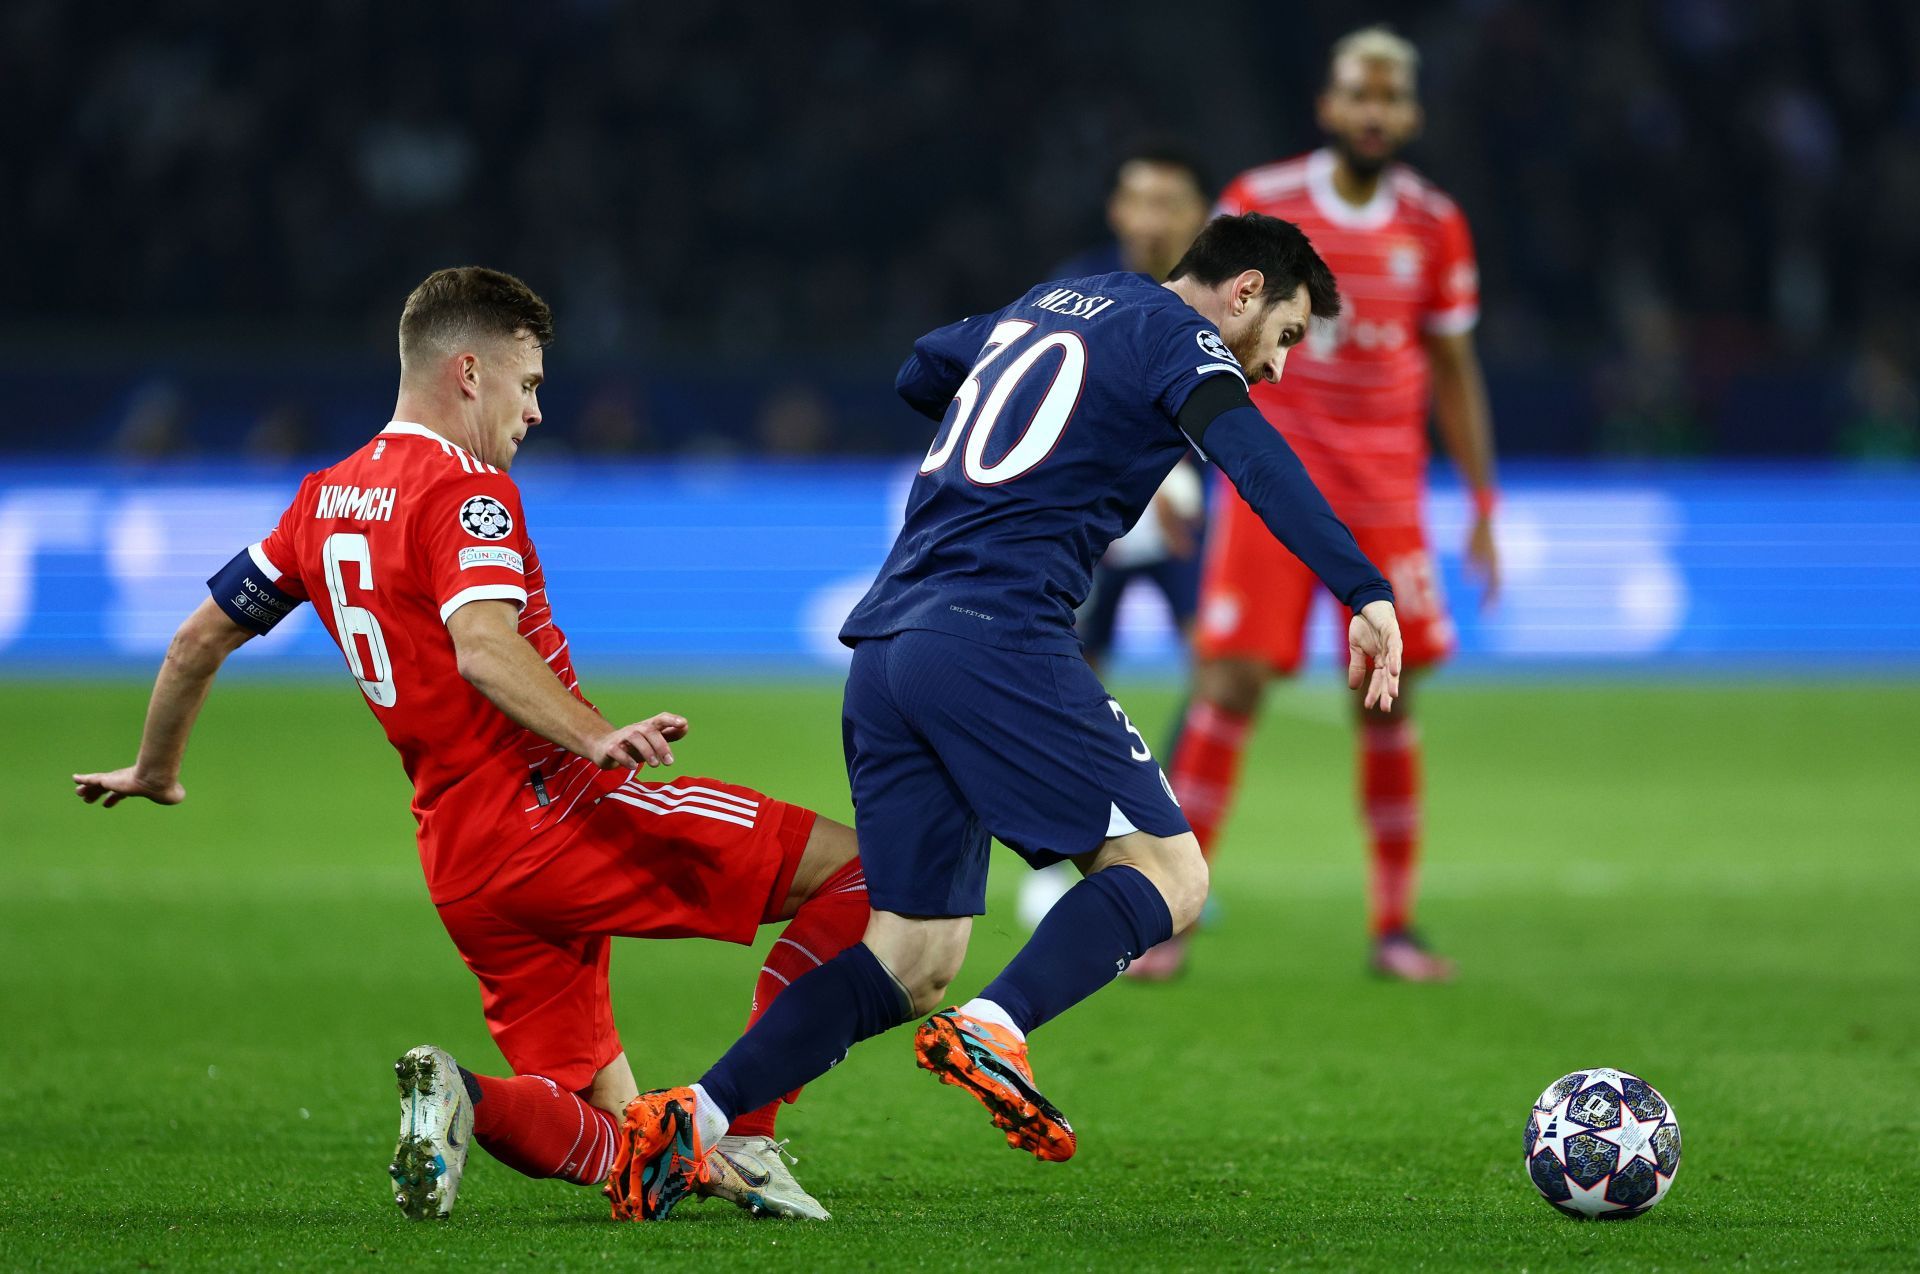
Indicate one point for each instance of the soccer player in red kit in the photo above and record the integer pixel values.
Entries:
(539, 839)
(1354, 405)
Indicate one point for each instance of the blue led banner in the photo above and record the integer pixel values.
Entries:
(682, 567)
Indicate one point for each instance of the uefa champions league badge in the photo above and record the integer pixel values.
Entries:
(1213, 346)
(485, 518)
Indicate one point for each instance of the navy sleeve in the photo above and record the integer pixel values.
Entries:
(939, 364)
(252, 591)
(1271, 478)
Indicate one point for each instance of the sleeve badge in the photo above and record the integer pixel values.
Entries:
(485, 518)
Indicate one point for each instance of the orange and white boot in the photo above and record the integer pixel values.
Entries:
(659, 1159)
(990, 1062)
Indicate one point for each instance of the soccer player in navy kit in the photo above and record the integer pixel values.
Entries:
(969, 712)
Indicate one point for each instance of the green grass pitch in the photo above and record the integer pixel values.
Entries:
(1714, 886)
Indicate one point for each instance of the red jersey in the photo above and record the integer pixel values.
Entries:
(388, 544)
(1353, 400)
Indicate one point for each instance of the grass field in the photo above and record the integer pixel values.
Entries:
(1715, 887)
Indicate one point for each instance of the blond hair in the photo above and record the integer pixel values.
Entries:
(1377, 43)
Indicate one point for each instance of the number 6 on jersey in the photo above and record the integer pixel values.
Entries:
(357, 621)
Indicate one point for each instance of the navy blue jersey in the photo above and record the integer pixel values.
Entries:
(1060, 415)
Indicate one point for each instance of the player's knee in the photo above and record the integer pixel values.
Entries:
(1184, 882)
(1174, 865)
(930, 990)
(924, 955)
(927, 980)
(1235, 685)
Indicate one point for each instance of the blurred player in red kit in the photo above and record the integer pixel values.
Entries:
(538, 838)
(1354, 406)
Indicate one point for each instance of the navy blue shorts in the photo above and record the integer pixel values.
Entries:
(950, 742)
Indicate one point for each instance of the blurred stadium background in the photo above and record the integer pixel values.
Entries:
(1698, 224)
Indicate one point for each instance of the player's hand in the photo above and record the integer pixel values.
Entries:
(118, 785)
(1373, 638)
(1483, 559)
(643, 743)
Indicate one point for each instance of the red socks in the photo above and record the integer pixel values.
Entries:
(535, 1127)
(1390, 805)
(829, 922)
(1206, 765)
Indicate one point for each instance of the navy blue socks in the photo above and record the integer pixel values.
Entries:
(807, 1030)
(1093, 932)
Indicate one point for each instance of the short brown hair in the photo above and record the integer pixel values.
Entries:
(466, 301)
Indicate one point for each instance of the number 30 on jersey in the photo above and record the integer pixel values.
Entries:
(975, 419)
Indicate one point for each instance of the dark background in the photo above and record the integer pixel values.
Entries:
(1698, 221)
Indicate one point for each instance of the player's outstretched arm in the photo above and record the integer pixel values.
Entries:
(939, 364)
(498, 662)
(194, 656)
(1222, 421)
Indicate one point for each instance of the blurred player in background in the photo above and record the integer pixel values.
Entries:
(1157, 202)
(1355, 407)
(537, 837)
(970, 712)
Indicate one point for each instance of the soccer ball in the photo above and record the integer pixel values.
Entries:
(1602, 1143)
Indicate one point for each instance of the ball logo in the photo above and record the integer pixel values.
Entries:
(485, 518)
(1213, 347)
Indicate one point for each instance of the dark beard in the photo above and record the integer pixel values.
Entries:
(1362, 166)
(1244, 352)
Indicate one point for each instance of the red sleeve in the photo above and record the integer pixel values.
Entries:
(1453, 278)
(277, 557)
(473, 542)
(261, 585)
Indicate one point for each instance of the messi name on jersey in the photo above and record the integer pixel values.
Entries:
(1072, 304)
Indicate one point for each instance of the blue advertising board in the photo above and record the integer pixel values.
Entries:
(677, 567)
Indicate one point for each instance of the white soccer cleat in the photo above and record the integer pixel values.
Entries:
(436, 1128)
(752, 1172)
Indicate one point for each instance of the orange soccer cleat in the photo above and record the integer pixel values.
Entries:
(987, 1061)
(659, 1160)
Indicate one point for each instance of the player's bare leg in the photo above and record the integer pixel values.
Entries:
(1138, 889)
(1227, 693)
(613, 1087)
(1389, 786)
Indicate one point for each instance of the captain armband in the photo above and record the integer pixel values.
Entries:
(245, 590)
(1211, 399)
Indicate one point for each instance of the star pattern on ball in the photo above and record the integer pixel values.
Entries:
(1553, 1129)
(1633, 1135)
(1591, 1200)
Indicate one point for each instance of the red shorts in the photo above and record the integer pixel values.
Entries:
(691, 858)
(1256, 598)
